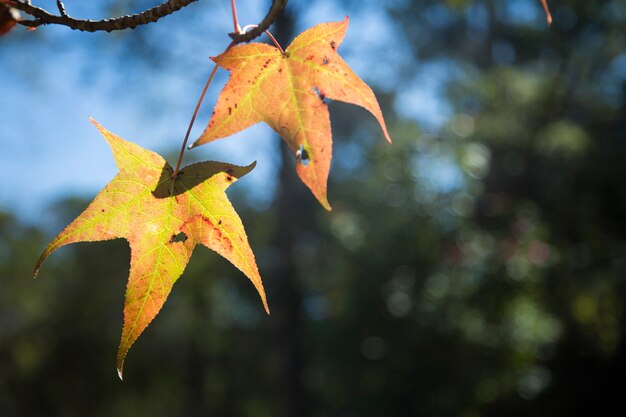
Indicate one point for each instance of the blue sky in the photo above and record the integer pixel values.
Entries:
(54, 79)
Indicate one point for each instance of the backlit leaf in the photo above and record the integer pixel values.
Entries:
(163, 218)
(287, 91)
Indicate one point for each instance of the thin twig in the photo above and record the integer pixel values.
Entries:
(271, 16)
(238, 37)
(61, 8)
(44, 17)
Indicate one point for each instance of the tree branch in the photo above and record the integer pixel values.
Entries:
(271, 16)
(43, 17)
(61, 8)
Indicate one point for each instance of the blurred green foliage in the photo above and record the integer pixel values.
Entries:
(475, 270)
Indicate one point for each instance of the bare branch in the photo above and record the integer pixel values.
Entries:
(43, 17)
(61, 8)
(271, 16)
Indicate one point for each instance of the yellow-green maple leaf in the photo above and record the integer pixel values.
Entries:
(163, 219)
(287, 91)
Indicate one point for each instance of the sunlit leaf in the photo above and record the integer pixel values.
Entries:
(287, 90)
(163, 218)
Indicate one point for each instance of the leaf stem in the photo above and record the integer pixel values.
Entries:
(239, 32)
(233, 8)
(195, 113)
(547, 10)
(193, 119)
(267, 32)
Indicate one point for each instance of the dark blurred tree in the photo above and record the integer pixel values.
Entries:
(476, 268)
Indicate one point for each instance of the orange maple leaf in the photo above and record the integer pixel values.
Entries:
(286, 90)
(163, 219)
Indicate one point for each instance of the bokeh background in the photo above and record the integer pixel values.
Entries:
(476, 267)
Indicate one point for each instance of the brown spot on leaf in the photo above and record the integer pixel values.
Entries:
(326, 60)
(217, 233)
(143, 224)
(230, 111)
(333, 45)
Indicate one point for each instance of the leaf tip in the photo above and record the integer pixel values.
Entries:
(98, 126)
(249, 168)
(324, 202)
(120, 364)
(93, 121)
(39, 263)
(121, 357)
(388, 138)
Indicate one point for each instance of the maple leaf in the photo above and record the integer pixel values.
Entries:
(163, 220)
(286, 90)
